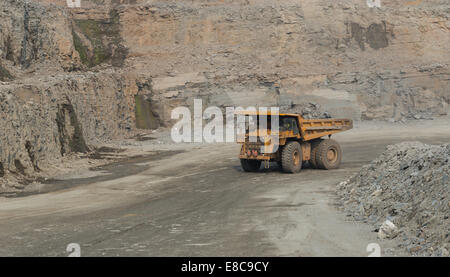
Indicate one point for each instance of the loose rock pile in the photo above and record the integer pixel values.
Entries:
(307, 110)
(405, 194)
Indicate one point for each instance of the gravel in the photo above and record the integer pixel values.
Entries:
(408, 186)
(307, 110)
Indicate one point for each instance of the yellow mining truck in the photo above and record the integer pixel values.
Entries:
(297, 142)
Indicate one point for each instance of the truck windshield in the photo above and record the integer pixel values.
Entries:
(289, 124)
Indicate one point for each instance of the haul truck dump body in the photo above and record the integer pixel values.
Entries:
(298, 141)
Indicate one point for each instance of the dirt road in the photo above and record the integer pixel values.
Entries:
(196, 201)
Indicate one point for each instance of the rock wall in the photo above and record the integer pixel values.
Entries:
(40, 121)
(388, 62)
(32, 34)
(367, 63)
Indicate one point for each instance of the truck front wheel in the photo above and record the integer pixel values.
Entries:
(291, 157)
(250, 165)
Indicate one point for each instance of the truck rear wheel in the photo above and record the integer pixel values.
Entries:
(328, 155)
(250, 165)
(314, 147)
(291, 157)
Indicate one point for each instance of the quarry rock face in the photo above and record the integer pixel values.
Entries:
(32, 34)
(354, 60)
(40, 121)
(71, 76)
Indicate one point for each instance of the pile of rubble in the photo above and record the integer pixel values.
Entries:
(307, 110)
(405, 194)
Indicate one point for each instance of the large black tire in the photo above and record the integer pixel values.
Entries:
(291, 157)
(313, 159)
(328, 155)
(250, 165)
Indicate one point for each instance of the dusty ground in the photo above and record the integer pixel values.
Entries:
(194, 200)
